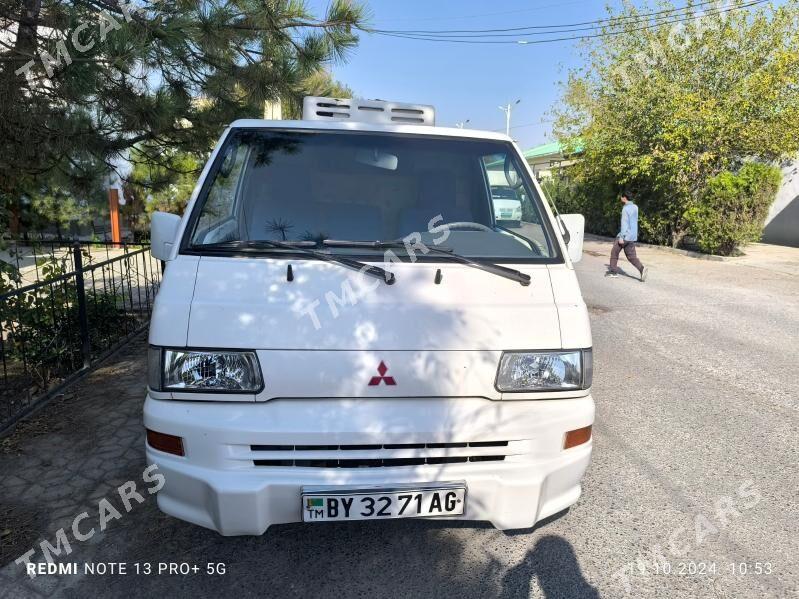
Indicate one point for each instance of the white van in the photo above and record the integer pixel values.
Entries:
(345, 331)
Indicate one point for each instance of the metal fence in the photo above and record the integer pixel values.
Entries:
(65, 309)
(25, 261)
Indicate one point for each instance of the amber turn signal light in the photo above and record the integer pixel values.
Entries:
(166, 443)
(577, 437)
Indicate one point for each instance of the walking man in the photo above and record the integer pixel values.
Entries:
(626, 239)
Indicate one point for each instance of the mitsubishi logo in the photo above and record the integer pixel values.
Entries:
(382, 370)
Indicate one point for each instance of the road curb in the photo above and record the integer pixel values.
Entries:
(671, 250)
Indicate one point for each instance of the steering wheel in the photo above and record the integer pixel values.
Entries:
(468, 225)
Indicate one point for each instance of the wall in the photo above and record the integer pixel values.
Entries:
(782, 222)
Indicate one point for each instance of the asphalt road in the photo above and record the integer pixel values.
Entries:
(692, 491)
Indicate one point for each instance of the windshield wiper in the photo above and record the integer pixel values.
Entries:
(496, 269)
(302, 247)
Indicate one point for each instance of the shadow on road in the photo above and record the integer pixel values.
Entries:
(553, 563)
(412, 558)
(622, 273)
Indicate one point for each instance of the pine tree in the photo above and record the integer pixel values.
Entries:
(84, 81)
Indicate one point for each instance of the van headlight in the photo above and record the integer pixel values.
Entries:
(204, 370)
(545, 371)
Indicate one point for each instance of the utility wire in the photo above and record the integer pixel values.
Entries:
(488, 14)
(648, 21)
(637, 17)
(517, 41)
(512, 127)
(542, 122)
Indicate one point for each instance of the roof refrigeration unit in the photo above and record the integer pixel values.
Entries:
(381, 112)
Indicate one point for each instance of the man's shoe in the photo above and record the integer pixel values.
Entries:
(644, 274)
(612, 275)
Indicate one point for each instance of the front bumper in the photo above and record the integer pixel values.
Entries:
(218, 484)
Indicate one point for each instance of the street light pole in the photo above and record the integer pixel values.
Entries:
(507, 110)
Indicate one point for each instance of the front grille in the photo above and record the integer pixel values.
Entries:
(380, 462)
(297, 460)
(386, 446)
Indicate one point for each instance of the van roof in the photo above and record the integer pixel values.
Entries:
(359, 126)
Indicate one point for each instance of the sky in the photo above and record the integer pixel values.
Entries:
(468, 81)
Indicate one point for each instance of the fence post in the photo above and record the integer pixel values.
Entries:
(83, 319)
(113, 210)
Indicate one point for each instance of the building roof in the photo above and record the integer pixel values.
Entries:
(551, 149)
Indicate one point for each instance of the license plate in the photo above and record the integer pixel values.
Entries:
(380, 504)
(505, 213)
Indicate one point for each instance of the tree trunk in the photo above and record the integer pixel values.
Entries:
(14, 221)
(28, 30)
(12, 83)
(25, 49)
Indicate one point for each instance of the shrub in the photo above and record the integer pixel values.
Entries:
(41, 335)
(597, 201)
(733, 208)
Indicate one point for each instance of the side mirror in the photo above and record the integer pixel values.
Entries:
(575, 228)
(163, 230)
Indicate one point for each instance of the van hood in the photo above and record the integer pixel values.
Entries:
(249, 303)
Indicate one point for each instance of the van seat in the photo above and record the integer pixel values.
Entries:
(437, 195)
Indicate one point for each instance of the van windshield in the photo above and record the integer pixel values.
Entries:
(313, 186)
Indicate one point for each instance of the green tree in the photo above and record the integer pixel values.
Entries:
(163, 179)
(56, 200)
(664, 108)
(84, 81)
